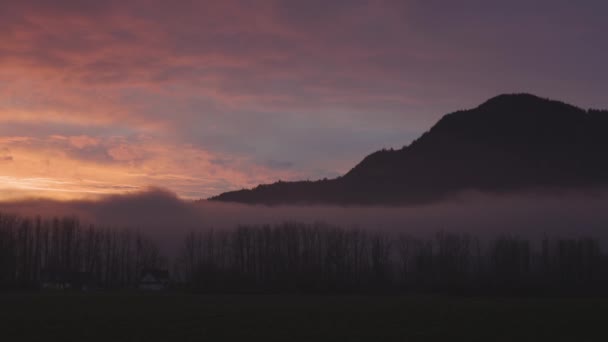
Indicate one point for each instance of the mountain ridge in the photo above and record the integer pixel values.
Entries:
(510, 142)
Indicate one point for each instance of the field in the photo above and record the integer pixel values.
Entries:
(172, 317)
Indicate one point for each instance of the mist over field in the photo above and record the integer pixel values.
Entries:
(161, 215)
(475, 243)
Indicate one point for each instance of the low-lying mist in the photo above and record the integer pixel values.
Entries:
(162, 215)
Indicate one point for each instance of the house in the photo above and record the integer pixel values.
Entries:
(154, 280)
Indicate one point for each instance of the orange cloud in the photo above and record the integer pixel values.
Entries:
(42, 168)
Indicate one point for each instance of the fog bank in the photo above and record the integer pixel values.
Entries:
(164, 216)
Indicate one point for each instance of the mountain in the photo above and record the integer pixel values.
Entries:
(509, 143)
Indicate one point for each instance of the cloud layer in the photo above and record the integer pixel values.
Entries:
(207, 96)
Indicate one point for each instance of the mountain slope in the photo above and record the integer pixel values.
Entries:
(509, 143)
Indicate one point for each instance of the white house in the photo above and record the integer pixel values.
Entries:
(154, 280)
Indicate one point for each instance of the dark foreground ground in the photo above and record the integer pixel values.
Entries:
(128, 317)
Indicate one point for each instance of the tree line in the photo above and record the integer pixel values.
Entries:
(35, 251)
(300, 258)
(294, 257)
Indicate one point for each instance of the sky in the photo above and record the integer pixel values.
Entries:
(202, 97)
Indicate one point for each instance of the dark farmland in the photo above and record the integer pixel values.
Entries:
(177, 317)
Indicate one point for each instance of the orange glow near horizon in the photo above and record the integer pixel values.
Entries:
(84, 167)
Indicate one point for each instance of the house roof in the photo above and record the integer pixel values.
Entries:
(156, 273)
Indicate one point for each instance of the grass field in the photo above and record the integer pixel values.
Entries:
(168, 317)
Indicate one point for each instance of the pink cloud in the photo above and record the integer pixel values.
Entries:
(124, 153)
